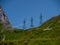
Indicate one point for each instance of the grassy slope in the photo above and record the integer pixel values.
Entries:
(36, 36)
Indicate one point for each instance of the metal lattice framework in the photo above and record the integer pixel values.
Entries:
(41, 18)
(24, 24)
(32, 22)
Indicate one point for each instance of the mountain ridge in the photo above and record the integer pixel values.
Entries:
(46, 34)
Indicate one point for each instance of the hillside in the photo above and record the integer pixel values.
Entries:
(46, 34)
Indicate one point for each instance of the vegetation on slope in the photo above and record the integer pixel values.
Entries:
(35, 36)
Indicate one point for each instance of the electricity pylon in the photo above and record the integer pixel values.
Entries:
(32, 22)
(24, 24)
(41, 18)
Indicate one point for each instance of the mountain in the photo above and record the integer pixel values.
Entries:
(46, 34)
(4, 23)
(53, 22)
(49, 29)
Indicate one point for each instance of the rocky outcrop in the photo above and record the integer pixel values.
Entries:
(5, 24)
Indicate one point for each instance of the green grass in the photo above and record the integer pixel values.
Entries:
(35, 36)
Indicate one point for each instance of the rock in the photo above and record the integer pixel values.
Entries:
(4, 20)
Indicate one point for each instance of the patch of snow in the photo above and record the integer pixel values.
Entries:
(2, 19)
(0, 9)
(47, 29)
(3, 39)
(59, 21)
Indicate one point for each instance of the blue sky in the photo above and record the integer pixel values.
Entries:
(17, 10)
